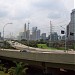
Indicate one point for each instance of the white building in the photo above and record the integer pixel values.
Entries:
(71, 27)
(34, 33)
(25, 34)
(21, 36)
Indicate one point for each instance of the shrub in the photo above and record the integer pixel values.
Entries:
(5, 70)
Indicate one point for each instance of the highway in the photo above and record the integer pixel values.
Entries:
(56, 60)
(20, 47)
(50, 58)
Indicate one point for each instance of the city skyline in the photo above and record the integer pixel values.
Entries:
(38, 13)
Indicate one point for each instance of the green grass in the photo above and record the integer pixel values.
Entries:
(2, 73)
(44, 46)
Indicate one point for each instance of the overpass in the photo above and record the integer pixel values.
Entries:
(46, 59)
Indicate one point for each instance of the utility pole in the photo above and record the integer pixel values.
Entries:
(50, 39)
(65, 38)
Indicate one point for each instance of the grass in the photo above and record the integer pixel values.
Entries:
(44, 46)
(2, 73)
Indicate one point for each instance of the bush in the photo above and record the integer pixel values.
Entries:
(11, 71)
(5, 70)
(1, 67)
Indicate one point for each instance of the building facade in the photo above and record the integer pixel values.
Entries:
(38, 35)
(35, 34)
(43, 36)
(53, 37)
(71, 27)
(0, 34)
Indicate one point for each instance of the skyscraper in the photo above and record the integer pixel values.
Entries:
(25, 27)
(34, 33)
(43, 36)
(28, 35)
(38, 35)
(0, 34)
(71, 27)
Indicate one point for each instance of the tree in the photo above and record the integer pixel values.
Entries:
(20, 69)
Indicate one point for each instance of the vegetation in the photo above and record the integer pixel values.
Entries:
(59, 45)
(44, 46)
(30, 43)
(19, 69)
(6, 45)
(2, 73)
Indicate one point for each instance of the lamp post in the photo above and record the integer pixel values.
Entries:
(65, 37)
(3, 31)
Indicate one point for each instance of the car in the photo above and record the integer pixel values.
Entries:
(23, 50)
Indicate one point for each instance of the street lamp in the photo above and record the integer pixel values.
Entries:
(3, 30)
(65, 37)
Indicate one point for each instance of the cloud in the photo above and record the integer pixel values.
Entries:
(48, 4)
(38, 12)
(3, 13)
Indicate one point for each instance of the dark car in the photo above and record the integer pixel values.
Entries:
(23, 50)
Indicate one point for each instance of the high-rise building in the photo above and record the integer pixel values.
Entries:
(71, 27)
(38, 35)
(43, 36)
(0, 34)
(31, 37)
(34, 33)
(25, 27)
(21, 36)
(53, 37)
(28, 35)
(25, 34)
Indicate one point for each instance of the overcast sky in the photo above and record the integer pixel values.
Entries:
(37, 12)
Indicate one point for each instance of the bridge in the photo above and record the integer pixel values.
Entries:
(51, 59)
(57, 59)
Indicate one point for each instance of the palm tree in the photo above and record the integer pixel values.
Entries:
(11, 71)
(18, 70)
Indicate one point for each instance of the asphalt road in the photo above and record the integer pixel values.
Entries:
(39, 50)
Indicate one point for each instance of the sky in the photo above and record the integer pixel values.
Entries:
(37, 12)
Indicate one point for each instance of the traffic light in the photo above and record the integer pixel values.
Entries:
(72, 34)
(62, 32)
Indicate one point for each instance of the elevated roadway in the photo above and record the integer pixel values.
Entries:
(42, 57)
(54, 59)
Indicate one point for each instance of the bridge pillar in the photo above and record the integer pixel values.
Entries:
(53, 71)
(49, 70)
(45, 69)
